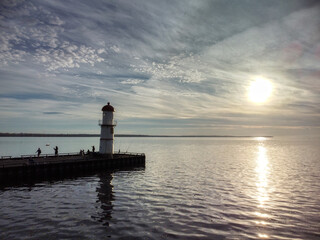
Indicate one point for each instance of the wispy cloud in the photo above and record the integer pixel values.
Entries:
(52, 113)
(172, 66)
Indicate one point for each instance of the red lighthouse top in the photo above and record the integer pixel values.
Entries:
(108, 108)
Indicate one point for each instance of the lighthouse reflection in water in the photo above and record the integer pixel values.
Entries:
(104, 198)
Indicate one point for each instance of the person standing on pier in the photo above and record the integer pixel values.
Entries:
(56, 151)
(93, 149)
(82, 152)
(38, 151)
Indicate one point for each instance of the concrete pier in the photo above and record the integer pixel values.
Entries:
(29, 166)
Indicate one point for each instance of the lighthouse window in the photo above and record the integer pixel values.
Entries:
(111, 130)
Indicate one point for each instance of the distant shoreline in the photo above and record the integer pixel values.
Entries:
(120, 135)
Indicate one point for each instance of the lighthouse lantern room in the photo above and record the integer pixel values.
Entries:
(107, 130)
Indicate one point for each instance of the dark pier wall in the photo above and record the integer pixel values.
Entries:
(42, 168)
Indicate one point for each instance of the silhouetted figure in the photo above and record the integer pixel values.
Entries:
(56, 151)
(93, 148)
(88, 151)
(81, 152)
(38, 151)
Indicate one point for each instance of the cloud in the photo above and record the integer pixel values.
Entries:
(35, 33)
(163, 65)
(132, 81)
(53, 113)
(67, 56)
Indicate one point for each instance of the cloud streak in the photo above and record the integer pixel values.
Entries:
(172, 66)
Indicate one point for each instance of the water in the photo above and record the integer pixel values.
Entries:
(191, 188)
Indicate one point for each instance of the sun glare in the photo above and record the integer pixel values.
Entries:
(260, 90)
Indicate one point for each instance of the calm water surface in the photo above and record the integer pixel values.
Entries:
(191, 188)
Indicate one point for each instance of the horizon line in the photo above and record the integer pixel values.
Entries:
(116, 135)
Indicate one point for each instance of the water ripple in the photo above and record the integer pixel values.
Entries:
(190, 189)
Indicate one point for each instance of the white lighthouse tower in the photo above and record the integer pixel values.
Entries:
(107, 130)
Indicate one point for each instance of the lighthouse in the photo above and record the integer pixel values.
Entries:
(107, 130)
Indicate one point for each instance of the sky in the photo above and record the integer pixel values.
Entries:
(168, 67)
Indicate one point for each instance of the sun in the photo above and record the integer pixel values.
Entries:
(260, 90)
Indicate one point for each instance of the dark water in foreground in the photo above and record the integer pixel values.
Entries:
(191, 188)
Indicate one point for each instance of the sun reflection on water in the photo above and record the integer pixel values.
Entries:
(263, 235)
(262, 170)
